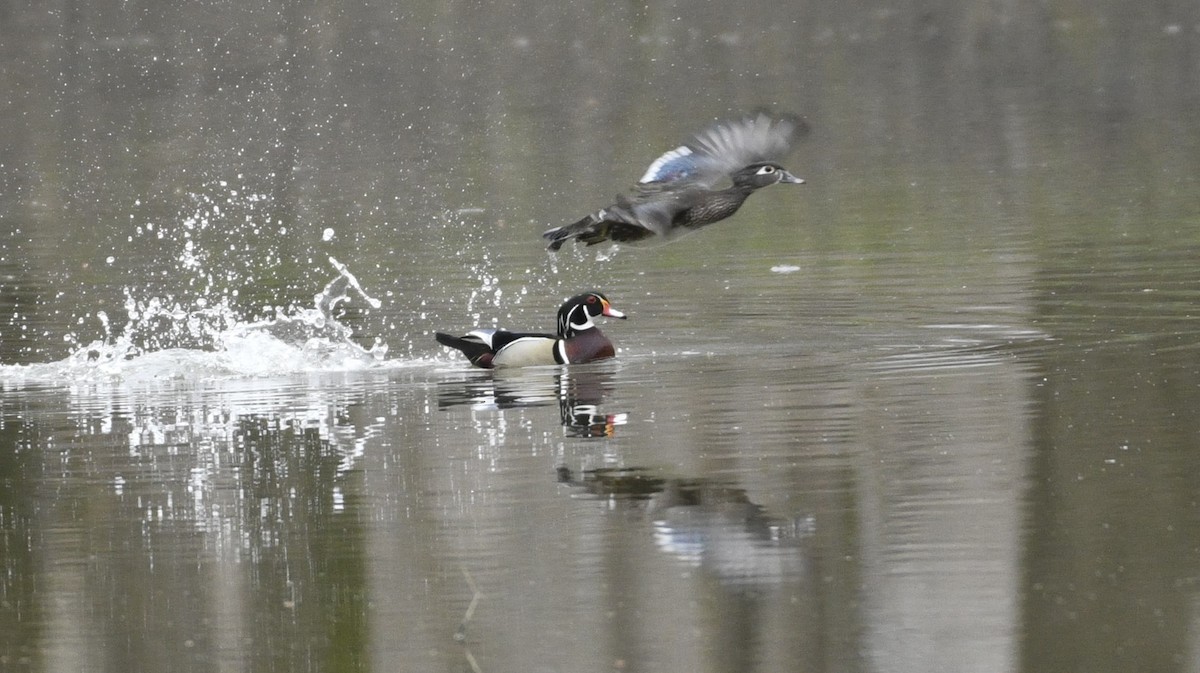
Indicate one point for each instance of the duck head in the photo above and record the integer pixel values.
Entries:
(757, 176)
(576, 313)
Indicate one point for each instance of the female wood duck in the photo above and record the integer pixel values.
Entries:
(578, 339)
(678, 192)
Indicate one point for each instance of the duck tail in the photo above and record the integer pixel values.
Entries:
(477, 350)
(590, 230)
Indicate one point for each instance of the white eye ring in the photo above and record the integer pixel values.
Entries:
(766, 170)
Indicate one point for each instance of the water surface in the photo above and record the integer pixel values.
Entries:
(932, 411)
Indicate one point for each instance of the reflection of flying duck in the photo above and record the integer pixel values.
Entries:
(578, 391)
(679, 192)
(578, 339)
(705, 522)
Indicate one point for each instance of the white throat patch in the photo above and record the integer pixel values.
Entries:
(587, 319)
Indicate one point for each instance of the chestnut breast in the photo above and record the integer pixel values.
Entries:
(588, 346)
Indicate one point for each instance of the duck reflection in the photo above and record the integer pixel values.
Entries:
(704, 522)
(578, 393)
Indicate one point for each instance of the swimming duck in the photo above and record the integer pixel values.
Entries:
(679, 191)
(578, 339)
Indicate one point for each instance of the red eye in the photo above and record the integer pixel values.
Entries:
(591, 299)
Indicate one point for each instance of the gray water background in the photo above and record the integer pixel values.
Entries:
(934, 410)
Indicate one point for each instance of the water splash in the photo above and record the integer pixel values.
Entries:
(306, 339)
(163, 340)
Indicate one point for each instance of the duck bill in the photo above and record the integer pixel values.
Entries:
(612, 312)
(789, 179)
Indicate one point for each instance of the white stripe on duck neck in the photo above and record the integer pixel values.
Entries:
(587, 323)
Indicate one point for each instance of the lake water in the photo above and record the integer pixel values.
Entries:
(934, 410)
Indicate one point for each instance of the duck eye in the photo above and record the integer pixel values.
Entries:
(591, 299)
(766, 170)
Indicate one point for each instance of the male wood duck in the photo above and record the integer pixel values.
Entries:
(578, 339)
(679, 191)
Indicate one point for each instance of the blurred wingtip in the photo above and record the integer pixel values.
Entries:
(800, 125)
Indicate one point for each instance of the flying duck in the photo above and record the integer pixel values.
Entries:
(681, 190)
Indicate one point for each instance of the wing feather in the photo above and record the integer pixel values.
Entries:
(724, 148)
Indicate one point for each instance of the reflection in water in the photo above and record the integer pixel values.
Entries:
(179, 486)
(705, 523)
(578, 390)
(1030, 166)
(242, 492)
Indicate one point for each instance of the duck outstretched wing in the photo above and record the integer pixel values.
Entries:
(722, 149)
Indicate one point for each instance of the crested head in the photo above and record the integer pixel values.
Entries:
(764, 174)
(576, 313)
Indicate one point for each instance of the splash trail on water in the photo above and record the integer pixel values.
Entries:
(219, 342)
